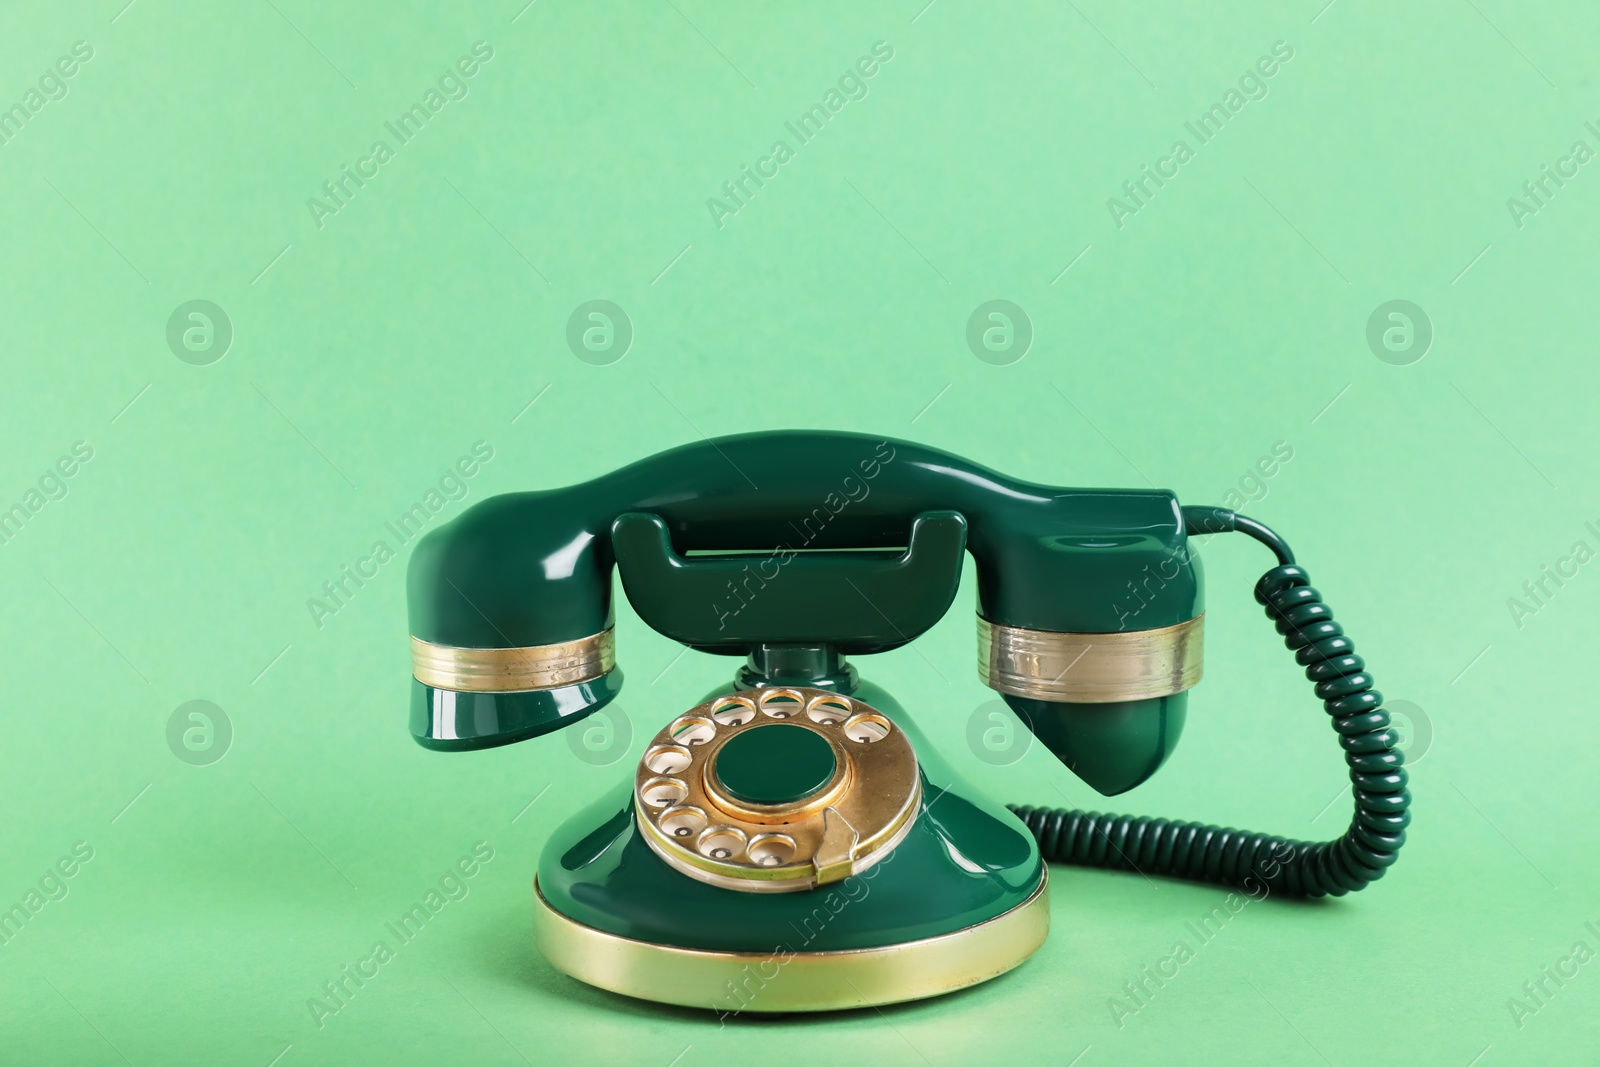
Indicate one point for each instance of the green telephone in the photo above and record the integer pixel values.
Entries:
(792, 842)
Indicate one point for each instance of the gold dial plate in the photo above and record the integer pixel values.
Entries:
(842, 828)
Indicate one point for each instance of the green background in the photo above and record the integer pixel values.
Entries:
(1228, 314)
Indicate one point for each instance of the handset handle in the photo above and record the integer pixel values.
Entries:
(511, 610)
(859, 602)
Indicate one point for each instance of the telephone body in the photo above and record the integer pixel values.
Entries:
(792, 841)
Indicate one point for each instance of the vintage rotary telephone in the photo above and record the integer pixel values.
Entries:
(792, 842)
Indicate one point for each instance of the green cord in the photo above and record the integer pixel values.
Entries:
(1235, 857)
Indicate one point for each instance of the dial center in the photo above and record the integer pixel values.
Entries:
(774, 763)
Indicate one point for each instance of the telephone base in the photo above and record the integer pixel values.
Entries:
(731, 983)
(960, 898)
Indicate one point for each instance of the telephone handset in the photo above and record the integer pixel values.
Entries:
(796, 820)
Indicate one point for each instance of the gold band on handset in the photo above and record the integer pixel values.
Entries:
(513, 670)
(1090, 668)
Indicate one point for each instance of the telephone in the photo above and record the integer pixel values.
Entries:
(792, 841)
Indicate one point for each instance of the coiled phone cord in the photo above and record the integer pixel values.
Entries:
(1233, 857)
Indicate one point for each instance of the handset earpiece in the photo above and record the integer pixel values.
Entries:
(511, 621)
(1091, 628)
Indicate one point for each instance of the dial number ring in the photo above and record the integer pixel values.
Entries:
(841, 828)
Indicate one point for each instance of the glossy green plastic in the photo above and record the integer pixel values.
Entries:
(1113, 747)
(965, 860)
(820, 666)
(774, 763)
(457, 722)
(761, 543)
(534, 568)
(795, 599)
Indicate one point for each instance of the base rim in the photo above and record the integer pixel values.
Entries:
(785, 980)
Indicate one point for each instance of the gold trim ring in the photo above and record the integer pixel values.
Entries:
(512, 670)
(1090, 668)
(784, 980)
